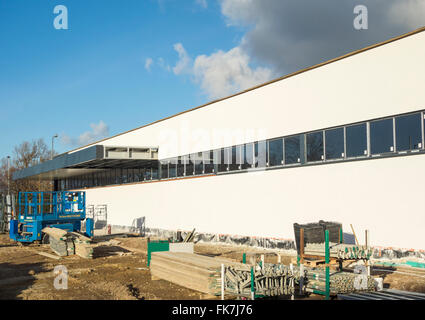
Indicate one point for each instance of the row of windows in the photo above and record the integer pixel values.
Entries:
(384, 136)
(400, 134)
(109, 177)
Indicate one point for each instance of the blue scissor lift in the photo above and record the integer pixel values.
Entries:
(59, 209)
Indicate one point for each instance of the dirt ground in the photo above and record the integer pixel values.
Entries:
(117, 271)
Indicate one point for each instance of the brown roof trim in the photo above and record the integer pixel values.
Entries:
(269, 82)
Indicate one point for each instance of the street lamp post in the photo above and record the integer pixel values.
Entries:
(55, 136)
(8, 175)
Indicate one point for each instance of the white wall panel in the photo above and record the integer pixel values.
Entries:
(385, 196)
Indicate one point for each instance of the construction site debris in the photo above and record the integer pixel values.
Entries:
(190, 236)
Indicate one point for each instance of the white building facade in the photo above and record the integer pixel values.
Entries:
(342, 141)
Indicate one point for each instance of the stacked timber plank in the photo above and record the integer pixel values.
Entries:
(65, 243)
(339, 250)
(192, 271)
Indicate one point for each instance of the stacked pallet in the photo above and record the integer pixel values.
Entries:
(83, 246)
(60, 242)
(192, 271)
(339, 250)
(65, 243)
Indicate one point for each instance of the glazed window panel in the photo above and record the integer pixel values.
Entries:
(99, 179)
(148, 174)
(248, 156)
(292, 150)
(124, 176)
(356, 140)
(223, 160)
(118, 176)
(142, 174)
(136, 175)
(155, 173)
(408, 132)
(235, 158)
(104, 178)
(198, 161)
(164, 169)
(334, 143)
(180, 167)
(189, 165)
(275, 152)
(315, 146)
(108, 177)
(129, 176)
(381, 136)
(208, 157)
(260, 154)
(172, 168)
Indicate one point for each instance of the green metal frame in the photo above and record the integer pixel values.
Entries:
(157, 246)
(327, 293)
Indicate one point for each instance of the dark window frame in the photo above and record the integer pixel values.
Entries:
(286, 154)
(208, 160)
(189, 167)
(342, 155)
(260, 160)
(308, 151)
(399, 125)
(245, 163)
(348, 145)
(282, 146)
(391, 134)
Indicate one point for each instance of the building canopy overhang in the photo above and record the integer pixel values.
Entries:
(92, 159)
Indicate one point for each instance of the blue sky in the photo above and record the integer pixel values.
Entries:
(93, 80)
(61, 81)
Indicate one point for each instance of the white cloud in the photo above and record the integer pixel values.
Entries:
(98, 131)
(202, 3)
(223, 73)
(148, 63)
(183, 64)
(163, 64)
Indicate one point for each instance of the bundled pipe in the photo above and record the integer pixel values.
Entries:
(340, 282)
(269, 280)
(279, 279)
(339, 250)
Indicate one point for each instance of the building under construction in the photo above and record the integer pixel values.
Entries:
(339, 141)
